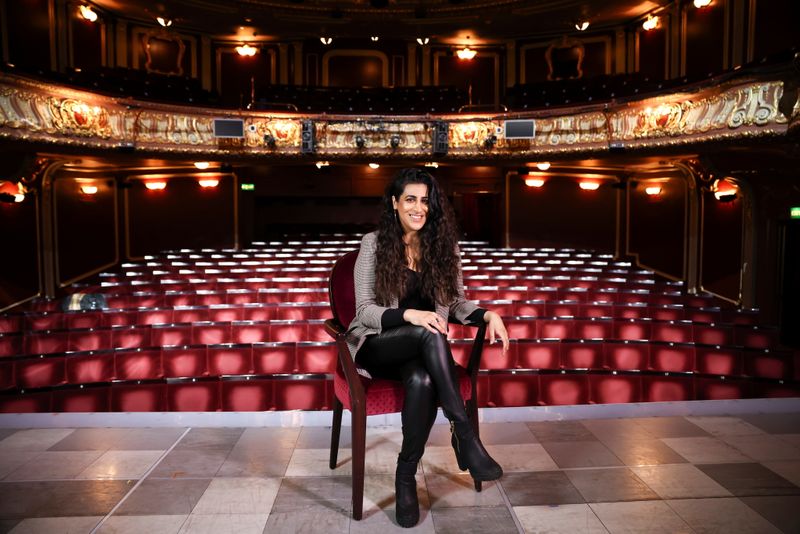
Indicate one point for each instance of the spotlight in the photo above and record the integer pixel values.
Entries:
(394, 142)
(165, 22)
(651, 23)
(422, 41)
(269, 140)
(360, 141)
(326, 40)
(374, 38)
(581, 26)
(490, 142)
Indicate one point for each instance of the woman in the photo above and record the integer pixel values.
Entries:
(408, 282)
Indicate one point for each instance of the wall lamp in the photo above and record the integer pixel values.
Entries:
(87, 13)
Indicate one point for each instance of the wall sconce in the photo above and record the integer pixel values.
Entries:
(87, 13)
(422, 41)
(701, 3)
(87, 189)
(394, 141)
(534, 182)
(724, 190)
(432, 164)
(589, 186)
(653, 190)
(269, 140)
(360, 141)
(326, 40)
(321, 164)
(489, 142)
(374, 165)
(543, 165)
(466, 53)
(207, 183)
(155, 185)
(651, 23)
(246, 50)
(12, 192)
(374, 38)
(165, 22)
(202, 165)
(582, 26)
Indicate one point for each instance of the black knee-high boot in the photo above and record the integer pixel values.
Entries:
(405, 487)
(471, 454)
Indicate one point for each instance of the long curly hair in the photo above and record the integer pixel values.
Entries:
(438, 261)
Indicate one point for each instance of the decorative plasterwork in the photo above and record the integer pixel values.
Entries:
(51, 114)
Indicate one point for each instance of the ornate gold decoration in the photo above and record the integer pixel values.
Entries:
(79, 118)
(340, 136)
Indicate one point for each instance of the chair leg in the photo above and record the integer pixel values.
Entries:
(359, 439)
(472, 413)
(336, 429)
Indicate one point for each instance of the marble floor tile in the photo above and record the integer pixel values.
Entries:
(312, 519)
(764, 448)
(791, 439)
(542, 488)
(581, 454)
(268, 438)
(238, 496)
(440, 460)
(316, 463)
(319, 437)
(640, 517)
(780, 511)
(379, 493)
(749, 479)
(679, 481)
(121, 465)
(644, 452)
(5, 432)
(561, 431)
(55, 465)
(495, 519)
(616, 429)
(187, 463)
(531, 457)
(217, 523)
(610, 485)
(705, 450)
(60, 498)
(715, 516)
(775, 423)
(7, 524)
(138, 524)
(384, 521)
(670, 427)
(210, 438)
(164, 497)
(381, 458)
(790, 470)
(387, 436)
(505, 434)
(34, 439)
(299, 493)
(130, 439)
(561, 519)
(11, 460)
(251, 462)
(459, 490)
(57, 525)
(725, 426)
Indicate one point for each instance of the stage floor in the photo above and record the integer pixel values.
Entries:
(687, 467)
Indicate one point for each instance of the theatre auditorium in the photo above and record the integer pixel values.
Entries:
(185, 184)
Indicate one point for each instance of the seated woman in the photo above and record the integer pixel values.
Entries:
(408, 281)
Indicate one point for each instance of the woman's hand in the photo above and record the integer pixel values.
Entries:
(426, 319)
(496, 329)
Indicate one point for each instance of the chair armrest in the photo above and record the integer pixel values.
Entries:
(474, 362)
(348, 365)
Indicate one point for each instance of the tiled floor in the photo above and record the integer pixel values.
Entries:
(725, 474)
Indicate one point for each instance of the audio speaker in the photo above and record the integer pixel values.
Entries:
(440, 130)
(307, 137)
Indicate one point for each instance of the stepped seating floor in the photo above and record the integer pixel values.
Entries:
(708, 467)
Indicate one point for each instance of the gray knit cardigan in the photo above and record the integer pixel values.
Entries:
(368, 313)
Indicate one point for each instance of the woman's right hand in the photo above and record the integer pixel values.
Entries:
(426, 319)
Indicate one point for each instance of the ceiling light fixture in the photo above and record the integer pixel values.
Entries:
(701, 3)
(326, 40)
(543, 165)
(246, 50)
(589, 186)
(581, 26)
(534, 182)
(374, 165)
(156, 186)
(88, 14)
(724, 190)
(651, 23)
(202, 165)
(166, 23)
(374, 38)
(422, 41)
(466, 53)
(207, 183)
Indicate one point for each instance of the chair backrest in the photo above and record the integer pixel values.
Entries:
(341, 289)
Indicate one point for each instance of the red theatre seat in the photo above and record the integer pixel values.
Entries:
(45, 321)
(626, 356)
(247, 395)
(12, 344)
(138, 398)
(138, 364)
(120, 318)
(317, 331)
(308, 394)
(97, 399)
(521, 328)
(258, 313)
(313, 357)
(92, 339)
(631, 330)
(188, 396)
(230, 360)
(11, 323)
(46, 343)
(288, 331)
(768, 364)
(725, 361)
(513, 390)
(538, 354)
(130, 337)
(560, 389)
(40, 372)
(7, 378)
(184, 362)
(555, 328)
(582, 355)
(610, 389)
(713, 334)
(672, 357)
(224, 314)
(27, 402)
(667, 389)
(493, 357)
(171, 335)
(274, 358)
(594, 329)
(92, 368)
(671, 332)
(189, 315)
(753, 337)
(721, 389)
(530, 308)
(76, 320)
(208, 333)
(248, 332)
(156, 316)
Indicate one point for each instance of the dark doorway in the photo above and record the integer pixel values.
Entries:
(790, 285)
(480, 217)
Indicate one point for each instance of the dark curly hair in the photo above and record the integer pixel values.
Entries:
(438, 244)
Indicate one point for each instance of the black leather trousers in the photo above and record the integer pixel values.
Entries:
(423, 362)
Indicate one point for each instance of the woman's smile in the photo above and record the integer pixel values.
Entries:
(412, 207)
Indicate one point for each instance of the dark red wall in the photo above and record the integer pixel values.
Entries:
(721, 238)
(535, 65)
(181, 216)
(653, 50)
(775, 26)
(19, 270)
(77, 217)
(236, 72)
(594, 59)
(657, 226)
(28, 26)
(87, 43)
(478, 72)
(705, 32)
(355, 71)
(561, 214)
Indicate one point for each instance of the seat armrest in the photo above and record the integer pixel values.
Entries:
(337, 331)
(474, 362)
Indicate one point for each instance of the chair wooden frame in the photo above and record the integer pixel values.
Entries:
(358, 400)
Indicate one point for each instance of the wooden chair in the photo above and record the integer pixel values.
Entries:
(364, 396)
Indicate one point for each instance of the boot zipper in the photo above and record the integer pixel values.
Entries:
(453, 432)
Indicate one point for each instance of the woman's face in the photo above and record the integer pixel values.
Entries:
(412, 207)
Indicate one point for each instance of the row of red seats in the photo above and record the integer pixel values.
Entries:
(495, 390)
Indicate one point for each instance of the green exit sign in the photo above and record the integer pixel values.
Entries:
(248, 187)
(794, 212)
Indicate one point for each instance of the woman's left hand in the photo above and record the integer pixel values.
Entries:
(496, 329)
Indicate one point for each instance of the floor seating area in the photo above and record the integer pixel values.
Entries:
(210, 330)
